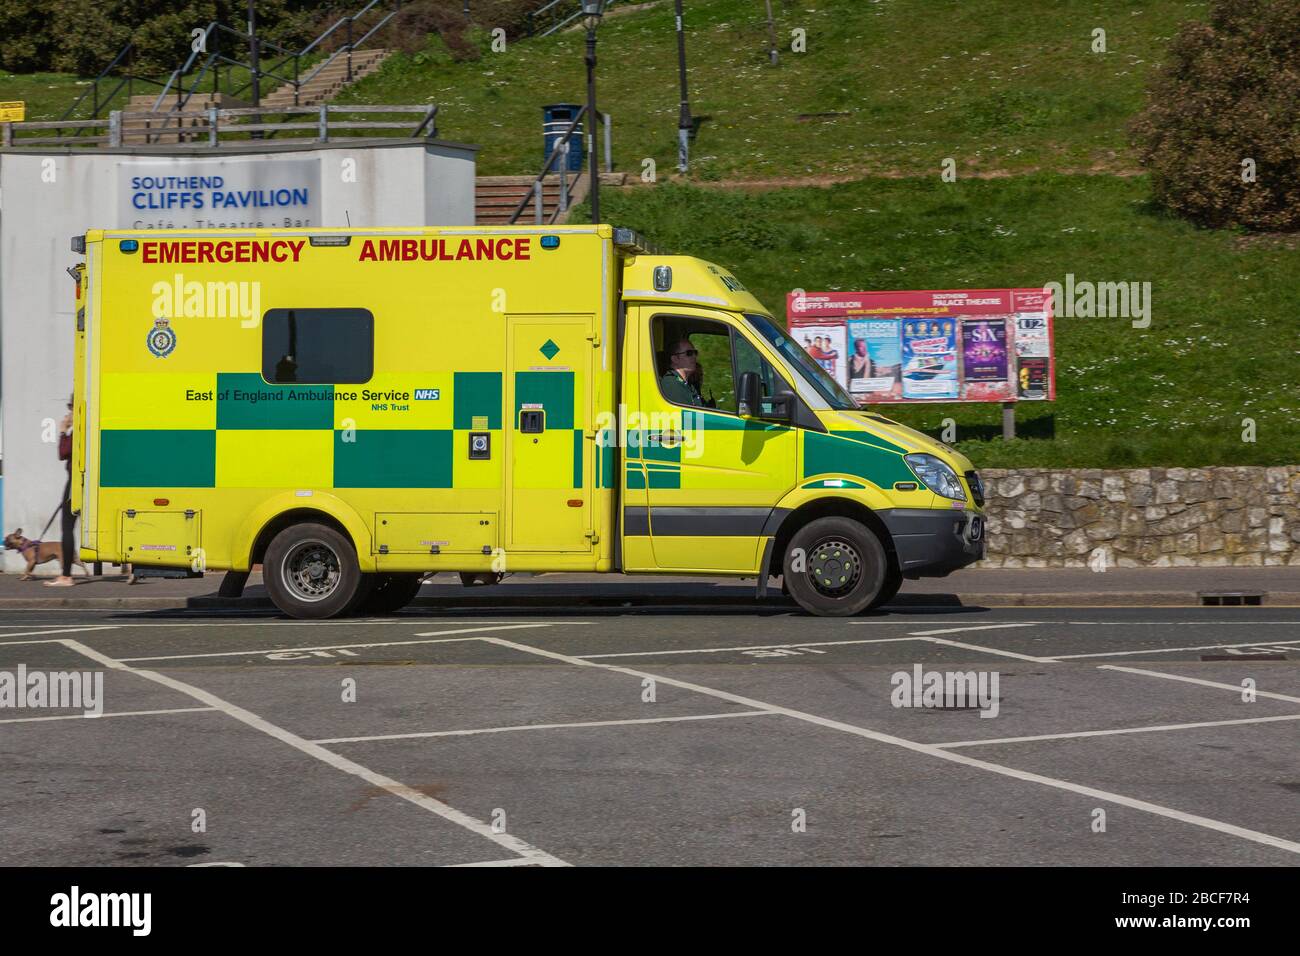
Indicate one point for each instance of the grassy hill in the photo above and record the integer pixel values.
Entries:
(1224, 338)
(999, 85)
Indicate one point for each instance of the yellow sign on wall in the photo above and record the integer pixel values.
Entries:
(13, 112)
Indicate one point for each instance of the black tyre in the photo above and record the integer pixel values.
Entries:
(310, 571)
(391, 593)
(889, 590)
(835, 567)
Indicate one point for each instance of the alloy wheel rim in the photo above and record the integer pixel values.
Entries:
(834, 567)
(312, 570)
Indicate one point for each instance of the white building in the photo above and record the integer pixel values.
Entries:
(47, 196)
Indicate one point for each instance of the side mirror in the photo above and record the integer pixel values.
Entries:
(749, 396)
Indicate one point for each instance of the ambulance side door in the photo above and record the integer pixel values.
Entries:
(713, 479)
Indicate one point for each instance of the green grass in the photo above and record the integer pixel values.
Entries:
(1224, 339)
(995, 85)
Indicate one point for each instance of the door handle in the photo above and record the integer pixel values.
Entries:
(670, 439)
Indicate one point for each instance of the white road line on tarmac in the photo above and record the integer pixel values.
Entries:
(1172, 650)
(1237, 688)
(62, 630)
(746, 647)
(987, 650)
(1125, 730)
(336, 647)
(502, 730)
(1156, 809)
(513, 861)
(120, 713)
(338, 762)
(973, 627)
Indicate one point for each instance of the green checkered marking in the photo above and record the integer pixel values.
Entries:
(158, 458)
(552, 390)
(476, 394)
(413, 458)
(246, 401)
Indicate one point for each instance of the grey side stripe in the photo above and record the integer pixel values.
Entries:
(702, 522)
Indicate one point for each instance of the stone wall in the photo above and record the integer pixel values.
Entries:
(1143, 517)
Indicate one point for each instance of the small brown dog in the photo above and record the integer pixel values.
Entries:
(37, 552)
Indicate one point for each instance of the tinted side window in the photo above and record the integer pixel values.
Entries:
(748, 359)
(318, 346)
(702, 350)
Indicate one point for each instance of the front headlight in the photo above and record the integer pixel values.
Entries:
(936, 476)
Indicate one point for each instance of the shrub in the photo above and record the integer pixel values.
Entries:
(1229, 94)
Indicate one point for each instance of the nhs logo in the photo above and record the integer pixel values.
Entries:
(428, 394)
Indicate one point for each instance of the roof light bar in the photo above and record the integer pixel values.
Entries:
(632, 242)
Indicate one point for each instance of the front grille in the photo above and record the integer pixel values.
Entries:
(976, 487)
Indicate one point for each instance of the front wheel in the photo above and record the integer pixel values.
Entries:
(835, 567)
(888, 590)
(311, 572)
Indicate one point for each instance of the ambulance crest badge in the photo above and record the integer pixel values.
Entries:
(162, 339)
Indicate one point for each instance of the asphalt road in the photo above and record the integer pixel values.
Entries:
(1113, 737)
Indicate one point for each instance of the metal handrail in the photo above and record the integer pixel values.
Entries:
(207, 126)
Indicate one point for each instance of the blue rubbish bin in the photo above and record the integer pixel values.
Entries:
(555, 120)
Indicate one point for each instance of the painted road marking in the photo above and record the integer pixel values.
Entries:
(502, 730)
(395, 787)
(338, 647)
(62, 630)
(1219, 826)
(1168, 650)
(1125, 730)
(120, 713)
(974, 627)
(1197, 680)
(513, 861)
(988, 650)
(744, 647)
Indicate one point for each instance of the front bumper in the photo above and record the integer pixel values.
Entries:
(932, 543)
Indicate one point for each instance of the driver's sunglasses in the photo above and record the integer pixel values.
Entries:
(689, 353)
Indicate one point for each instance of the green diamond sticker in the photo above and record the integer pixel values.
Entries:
(549, 349)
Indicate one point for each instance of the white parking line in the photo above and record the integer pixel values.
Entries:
(1237, 688)
(987, 650)
(1124, 730)
(959, 630)
(1171, 650)
(502, 730)
(1219, 826)
(745, 647)
(513, 861)
(120, 713)
(62, 630)
(395, 787)
(337, 647)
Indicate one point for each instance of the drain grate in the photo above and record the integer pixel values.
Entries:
(1231, 598)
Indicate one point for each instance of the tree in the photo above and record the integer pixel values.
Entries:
(1221, 131)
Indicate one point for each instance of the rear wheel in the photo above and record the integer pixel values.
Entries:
(835, 567)
(391, 593)
(310, 571)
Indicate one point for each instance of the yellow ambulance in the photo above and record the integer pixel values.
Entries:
(355, 408)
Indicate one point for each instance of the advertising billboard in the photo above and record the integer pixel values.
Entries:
(966, 345)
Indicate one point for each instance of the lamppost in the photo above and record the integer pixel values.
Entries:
(591, 13)
(684, 114)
